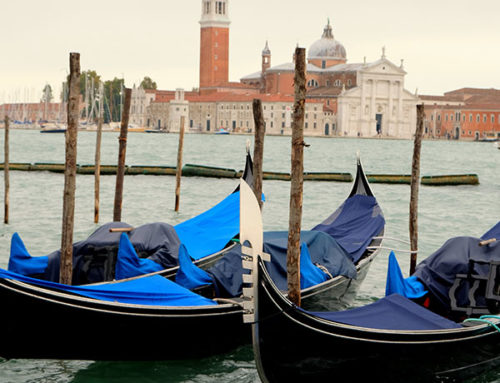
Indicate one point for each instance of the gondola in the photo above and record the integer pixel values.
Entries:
(335, 255)
(207, 236)
(146, 318)
(395, 339)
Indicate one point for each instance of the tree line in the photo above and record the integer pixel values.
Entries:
(89, 89)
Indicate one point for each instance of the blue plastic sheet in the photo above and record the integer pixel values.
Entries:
(129, 265)
(410, 287)
(210, 231)
(393, 312)
(354, 224)
(153, 291)
(189, 275)
(21, 262)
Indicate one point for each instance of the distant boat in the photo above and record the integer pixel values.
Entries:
(156, 131)
(222, 131)
(52, 127)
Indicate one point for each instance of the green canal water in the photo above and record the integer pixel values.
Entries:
(36, 208)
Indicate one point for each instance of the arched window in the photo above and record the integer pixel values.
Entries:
(312, 83)
(337, 83)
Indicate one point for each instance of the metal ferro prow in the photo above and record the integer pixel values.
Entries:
(252, 240)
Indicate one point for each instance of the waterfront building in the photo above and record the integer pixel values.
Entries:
(467, 113)
(360, 99)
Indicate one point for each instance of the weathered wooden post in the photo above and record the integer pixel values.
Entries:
(258, 150)
(415, 178)
(120, 171)
(97, 170)
(297, 174)
(66, 261)
(6, 172)
(178, 171)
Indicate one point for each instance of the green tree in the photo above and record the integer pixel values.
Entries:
(148, 83)
(47, 94)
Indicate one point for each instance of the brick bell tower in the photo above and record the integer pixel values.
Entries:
(214, 43)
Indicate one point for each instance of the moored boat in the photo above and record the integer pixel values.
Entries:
(392, 340)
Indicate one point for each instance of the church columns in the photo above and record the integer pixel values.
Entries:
(390, 119)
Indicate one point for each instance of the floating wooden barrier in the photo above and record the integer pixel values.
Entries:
(18, 166)
(389, 178)
(191, 170)
(48, 166)
(453, 179)
(276, 176)
(90, 169)
(150, 170)
(338, 177)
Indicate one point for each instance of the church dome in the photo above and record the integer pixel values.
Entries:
(327, 47)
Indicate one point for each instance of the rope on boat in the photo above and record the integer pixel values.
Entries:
(393, 239)
(484, 319)
(393, 249)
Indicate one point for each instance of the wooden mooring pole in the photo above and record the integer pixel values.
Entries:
(297, 178)
(66, 260)
(6, 172)
(120, 172)
(415, 178)
(258, 149)
(97, 174)
(178, 170)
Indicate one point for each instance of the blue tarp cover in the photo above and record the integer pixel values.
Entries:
(439, 270)
(410, 287)
(153, 290)
(494, 232)
(393, 312)
(129, 265)
(189, 275)
(322, 250)
(210, 231)
(21, 262)
(354, 224)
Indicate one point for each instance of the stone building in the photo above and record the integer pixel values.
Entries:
(360, 99)
(467, 113)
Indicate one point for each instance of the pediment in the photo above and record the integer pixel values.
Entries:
(384, 66)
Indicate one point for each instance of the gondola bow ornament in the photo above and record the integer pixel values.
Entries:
(252, 240)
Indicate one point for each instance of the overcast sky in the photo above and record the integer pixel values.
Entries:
(445, 44)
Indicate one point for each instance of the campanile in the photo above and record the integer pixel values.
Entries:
(214, 43)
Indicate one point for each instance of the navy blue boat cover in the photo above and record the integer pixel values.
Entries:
(439, 270)
(354, 224)
(410, 287)
(393, 312)
(152, 290)
(317, 249)
(494, 232)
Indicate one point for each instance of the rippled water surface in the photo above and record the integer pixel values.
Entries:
(36, 207)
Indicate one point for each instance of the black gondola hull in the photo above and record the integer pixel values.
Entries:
(291, 345)
(41, 323)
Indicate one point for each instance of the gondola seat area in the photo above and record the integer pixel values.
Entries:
(393, 312)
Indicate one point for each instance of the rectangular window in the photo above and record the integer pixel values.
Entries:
(283, 124)
(314, 126)
(307, 125)
(282, 115)
(439, 117)
(470, 117)
(271, 124)
(451, 117)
